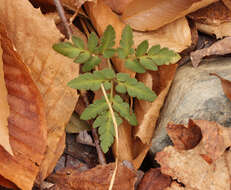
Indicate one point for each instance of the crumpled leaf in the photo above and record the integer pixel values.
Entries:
(214, 19)
(4, 111)
(26, 123)
(206, 166)
(151, 15)
(154, 180)
(95, 178)
(226, 85)
(33, 36)
(220, 47)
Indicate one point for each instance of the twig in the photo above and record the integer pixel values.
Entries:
(100, 153)
(61, 13)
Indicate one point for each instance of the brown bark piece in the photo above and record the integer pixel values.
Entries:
(26, 123)
(154, 180)
(96, 178)
(33, 35)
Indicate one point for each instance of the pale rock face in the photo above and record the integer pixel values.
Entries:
(195, 95)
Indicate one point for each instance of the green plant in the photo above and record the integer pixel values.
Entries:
(111, 109)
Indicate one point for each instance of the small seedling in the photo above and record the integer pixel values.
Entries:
(138, 60)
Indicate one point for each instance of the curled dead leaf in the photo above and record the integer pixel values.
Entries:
(26, 123)
(33, 35)
(206, 166)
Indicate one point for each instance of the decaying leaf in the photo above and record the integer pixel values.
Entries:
(26, 123)
(206, 166)
(95, 178)
(154, 180)
(226, 85)
(33, 36)
(220, 47)
(214, 19)
(151, 15)
(4, 111)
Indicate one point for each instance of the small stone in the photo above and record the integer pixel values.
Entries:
(195, 95)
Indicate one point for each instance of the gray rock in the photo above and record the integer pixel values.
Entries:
(195, 95)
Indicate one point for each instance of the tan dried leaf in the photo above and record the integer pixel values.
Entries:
(4, 111)
(227, 3)
(176, 36)
(151, 15)
(26, 123)
(207, 166)
(95, 178)
(33, 36)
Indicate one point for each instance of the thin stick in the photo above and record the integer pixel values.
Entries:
(61, 13)
(101, 156)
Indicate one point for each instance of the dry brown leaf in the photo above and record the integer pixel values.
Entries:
(176, 36)
(33, 36)
(26, 123)
(207, 166)
(118, 5)
(147, 113)
(151, 15)
(95, 178)
(4, 111)
(220, 47)
(154, 180)
(214, 19)
(226, 85)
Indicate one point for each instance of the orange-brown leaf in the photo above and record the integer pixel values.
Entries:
(33, 35)
(4, 111)
(226, 85)
(26, 123)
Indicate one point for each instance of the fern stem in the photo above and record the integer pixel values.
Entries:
(116, 136)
